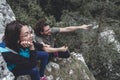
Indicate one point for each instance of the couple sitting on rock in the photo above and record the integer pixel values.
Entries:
(22, 52)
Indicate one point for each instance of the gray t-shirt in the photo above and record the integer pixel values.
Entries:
(48, 39)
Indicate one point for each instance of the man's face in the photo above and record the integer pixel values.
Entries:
(46, 31)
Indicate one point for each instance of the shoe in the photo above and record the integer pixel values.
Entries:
(43, 78)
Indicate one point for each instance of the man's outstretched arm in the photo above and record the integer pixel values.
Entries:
(73, 28)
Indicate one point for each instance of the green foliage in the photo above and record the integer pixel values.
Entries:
(26, 10)
(51, 20)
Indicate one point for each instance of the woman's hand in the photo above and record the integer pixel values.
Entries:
(28, 44)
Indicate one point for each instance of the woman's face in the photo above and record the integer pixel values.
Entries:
(26, 34)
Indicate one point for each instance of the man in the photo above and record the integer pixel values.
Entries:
(45, 35)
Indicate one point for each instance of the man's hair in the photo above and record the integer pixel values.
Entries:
(39, 27)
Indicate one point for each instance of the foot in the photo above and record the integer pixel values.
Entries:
(43, 78)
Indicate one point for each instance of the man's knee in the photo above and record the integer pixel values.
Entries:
(64, 55)
(67, 55)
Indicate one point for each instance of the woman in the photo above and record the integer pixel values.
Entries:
(22, 57)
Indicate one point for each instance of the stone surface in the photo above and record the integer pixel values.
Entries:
(73, 68)
(109, 37)
(6, 15)
(5, 74)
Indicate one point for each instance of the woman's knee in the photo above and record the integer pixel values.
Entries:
(45, 54)
(42, 54)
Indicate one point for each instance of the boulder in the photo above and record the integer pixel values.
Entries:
(5, 74)
(6, 16)
(73, 68)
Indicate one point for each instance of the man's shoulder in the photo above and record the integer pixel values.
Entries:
(39, 38)
(55, 30)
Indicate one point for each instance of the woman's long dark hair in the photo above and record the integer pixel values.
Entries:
(12, 34)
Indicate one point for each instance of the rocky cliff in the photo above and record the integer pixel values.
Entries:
(6, 16)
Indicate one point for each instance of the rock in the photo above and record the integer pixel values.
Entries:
(108, 36)
(6, 15)
(1, 35)
(5, 74)
(73, 68)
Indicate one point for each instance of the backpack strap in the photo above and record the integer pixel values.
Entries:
(4, 50)
(11, 50)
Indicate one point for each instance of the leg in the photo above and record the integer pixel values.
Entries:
(34, 73)
(60, 54)
(64, 54)
(43, 56)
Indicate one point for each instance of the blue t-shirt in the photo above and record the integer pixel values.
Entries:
(25, 52)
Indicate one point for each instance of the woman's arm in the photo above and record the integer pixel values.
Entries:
(50, 49)
(20, 61)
